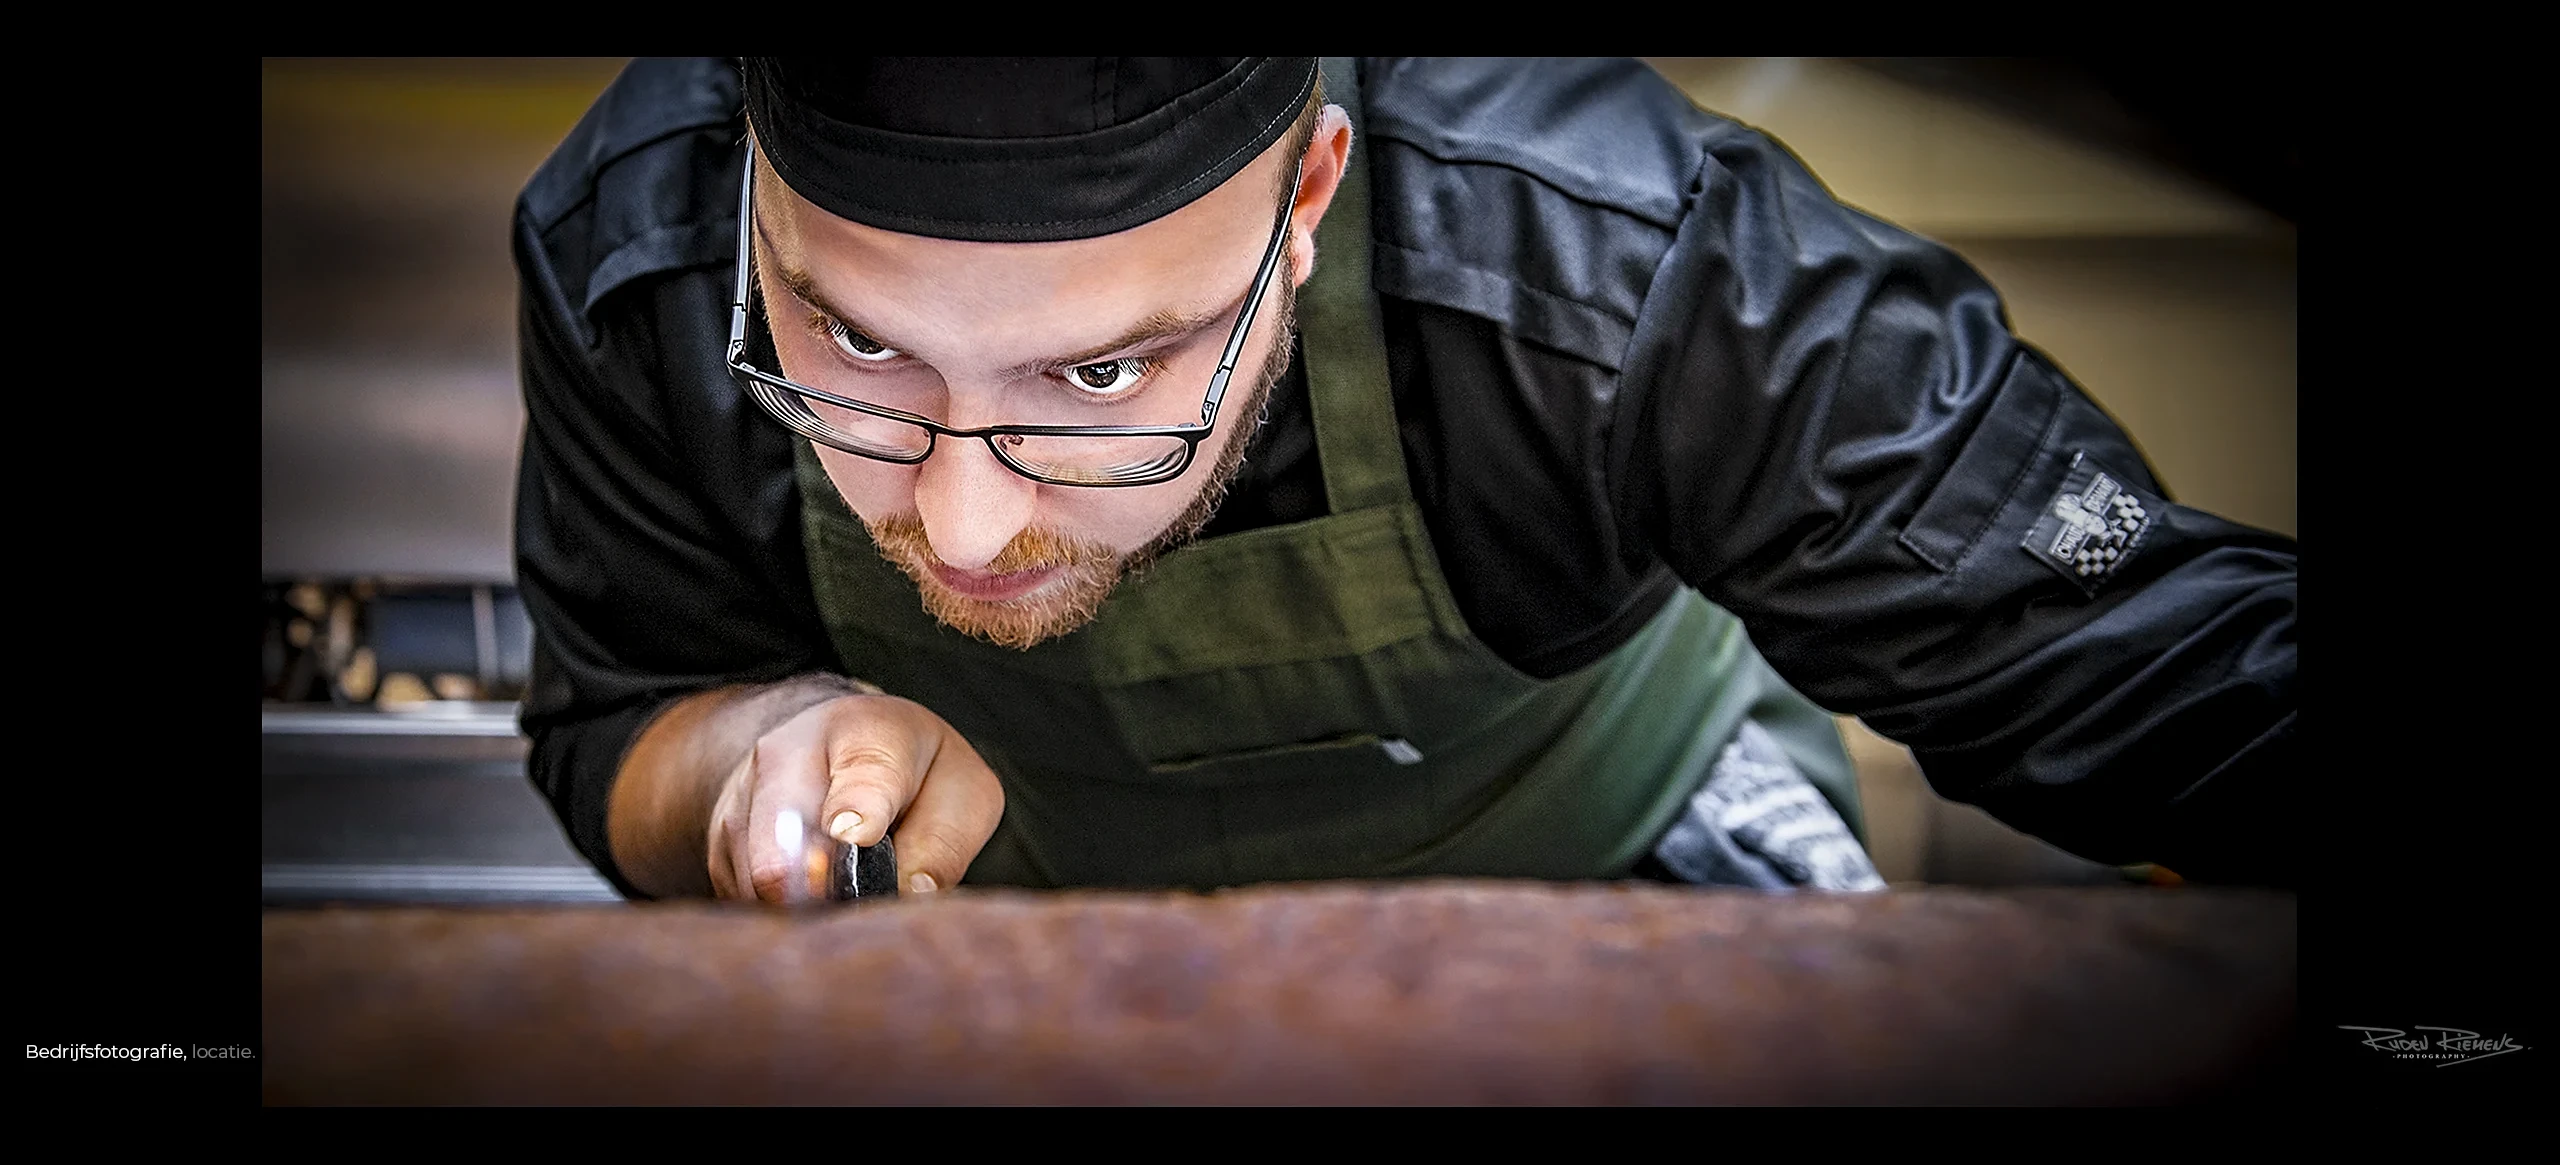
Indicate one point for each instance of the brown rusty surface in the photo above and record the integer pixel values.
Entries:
(1446, 992)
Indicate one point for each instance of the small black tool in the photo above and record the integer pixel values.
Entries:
(861, 873)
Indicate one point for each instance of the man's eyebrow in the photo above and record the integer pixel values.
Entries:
(1156, 325)
(801, 285)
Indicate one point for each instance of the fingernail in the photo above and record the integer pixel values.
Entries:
(922, 883)
(843, 826)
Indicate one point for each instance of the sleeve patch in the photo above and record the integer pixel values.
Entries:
(2093, 526)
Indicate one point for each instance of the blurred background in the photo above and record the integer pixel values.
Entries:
(2138, 220)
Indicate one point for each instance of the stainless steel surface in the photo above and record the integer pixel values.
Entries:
(430, 806)
(457, 885)
(440, 719)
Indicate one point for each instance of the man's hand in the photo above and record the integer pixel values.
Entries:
(855, 765)
(695, 807)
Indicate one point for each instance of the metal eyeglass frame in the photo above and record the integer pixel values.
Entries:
(767, 389)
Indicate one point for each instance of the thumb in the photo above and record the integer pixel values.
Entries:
(954, 814)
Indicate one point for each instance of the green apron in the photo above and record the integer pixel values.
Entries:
(1305, 701)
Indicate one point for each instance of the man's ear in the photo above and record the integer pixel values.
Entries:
(1320, 175)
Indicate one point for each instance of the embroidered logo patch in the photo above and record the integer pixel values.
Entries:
(2093, 526)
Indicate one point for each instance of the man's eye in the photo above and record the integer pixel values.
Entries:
(1109, 378)
(859, 346)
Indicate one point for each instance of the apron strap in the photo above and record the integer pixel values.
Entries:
(1343, 344)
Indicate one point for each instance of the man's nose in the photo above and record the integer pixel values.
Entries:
(971, 505)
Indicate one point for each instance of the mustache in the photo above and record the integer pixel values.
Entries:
(1091, 571)
(903, 539)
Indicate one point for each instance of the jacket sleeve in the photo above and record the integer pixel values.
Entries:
(656, 526)
(1826, 426)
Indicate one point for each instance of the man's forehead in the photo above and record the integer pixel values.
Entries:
(1065, 298)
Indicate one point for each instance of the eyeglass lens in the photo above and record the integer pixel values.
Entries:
(1083, 457)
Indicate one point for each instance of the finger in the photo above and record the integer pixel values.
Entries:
(878, 751)
(725, 854)
(955, 811)
(783, 792)
(724, 865)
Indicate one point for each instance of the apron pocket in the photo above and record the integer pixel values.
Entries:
(1284, 762)
(1341, 807)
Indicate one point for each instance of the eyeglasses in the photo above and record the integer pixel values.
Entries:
(1081, 455)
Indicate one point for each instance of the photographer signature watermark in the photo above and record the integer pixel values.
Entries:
(2447, 1047)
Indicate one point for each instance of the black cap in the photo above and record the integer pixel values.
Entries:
(1017, 149)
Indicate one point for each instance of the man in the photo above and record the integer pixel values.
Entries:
(1192, 472)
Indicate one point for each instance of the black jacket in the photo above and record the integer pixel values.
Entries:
(1633, 346)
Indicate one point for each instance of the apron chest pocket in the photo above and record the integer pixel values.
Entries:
(1288, 762)
(1343, 806)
